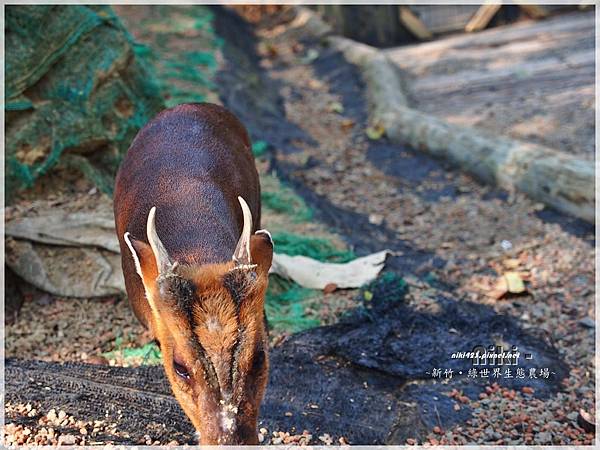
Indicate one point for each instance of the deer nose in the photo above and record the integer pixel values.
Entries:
(228, 422)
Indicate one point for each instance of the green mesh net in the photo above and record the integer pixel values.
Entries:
(180, 43)
(319, 249)
(73, 88)
(285, 305)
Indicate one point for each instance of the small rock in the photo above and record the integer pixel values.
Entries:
(67, 439)
(376, 219)
(587, 322)
(543, 438)
(326, 439)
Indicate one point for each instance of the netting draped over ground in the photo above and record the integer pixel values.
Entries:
(75, 93)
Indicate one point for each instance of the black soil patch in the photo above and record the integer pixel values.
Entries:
(244, 87)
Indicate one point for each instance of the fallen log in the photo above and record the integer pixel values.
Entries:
(557, 179)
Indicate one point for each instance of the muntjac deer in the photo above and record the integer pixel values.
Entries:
(187, 206)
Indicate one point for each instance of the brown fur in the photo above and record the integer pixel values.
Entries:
(192, 162)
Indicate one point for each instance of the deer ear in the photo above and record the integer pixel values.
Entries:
(143, 257)
(261, 249)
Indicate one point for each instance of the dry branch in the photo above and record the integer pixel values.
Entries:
(413, 23)
(482, 17)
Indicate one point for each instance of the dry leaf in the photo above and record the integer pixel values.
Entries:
(375, 132)
(514, 282)
(586, 421)
(499, 290)
(310, 56)
(329, 288)
(315, 84)
(347, 124)
(509, 283)
(511, 263)
(336, 107)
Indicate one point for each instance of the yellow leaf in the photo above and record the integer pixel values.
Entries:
(368, 295)
(514, 282)
(336, 107)
(511, 263)
(375, 132)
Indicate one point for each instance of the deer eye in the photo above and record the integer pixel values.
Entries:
(181, 370)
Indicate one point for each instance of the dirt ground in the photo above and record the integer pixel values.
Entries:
(453, 238)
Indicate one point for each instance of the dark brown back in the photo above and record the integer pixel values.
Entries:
(191, 162)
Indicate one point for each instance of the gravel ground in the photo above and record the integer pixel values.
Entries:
(480, 233)
(57, 428)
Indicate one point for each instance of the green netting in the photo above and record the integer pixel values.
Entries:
(285, 201)
(73, 86)
(319, 249)
(181, 44)
(286, 302)
(147, 355)
(259, 148)
(285, 305)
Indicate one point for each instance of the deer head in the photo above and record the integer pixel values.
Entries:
(210, 324)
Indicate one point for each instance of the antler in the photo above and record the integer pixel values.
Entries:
(242, 255)
(163, 263)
